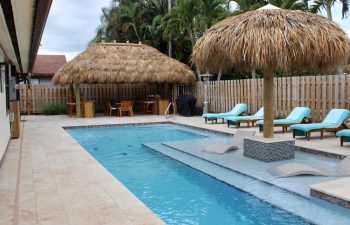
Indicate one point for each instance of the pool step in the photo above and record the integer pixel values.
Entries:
(308, 209)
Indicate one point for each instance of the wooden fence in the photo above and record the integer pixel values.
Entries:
(320, 93)
(41, 94)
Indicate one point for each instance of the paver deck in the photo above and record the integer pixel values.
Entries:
(48, 178)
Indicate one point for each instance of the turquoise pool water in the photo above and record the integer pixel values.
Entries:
(174, 191)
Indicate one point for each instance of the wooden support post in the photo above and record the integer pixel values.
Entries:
(174, 98)
(166, 90)
(15, 125)
(268, 103)
(77, 100)
(71, 92)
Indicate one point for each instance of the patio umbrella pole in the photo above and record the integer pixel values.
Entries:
(77, 99)
(268, 103)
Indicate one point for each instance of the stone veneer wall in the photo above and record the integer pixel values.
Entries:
(329, 198)
(269, 151)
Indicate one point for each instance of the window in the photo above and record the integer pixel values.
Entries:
(2, 77)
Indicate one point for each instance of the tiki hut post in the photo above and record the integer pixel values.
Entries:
(71, 91)
(272, 39)
(268, 103)
(77, 99)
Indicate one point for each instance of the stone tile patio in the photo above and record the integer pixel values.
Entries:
(48, 178)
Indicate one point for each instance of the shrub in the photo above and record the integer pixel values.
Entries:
(54, 109)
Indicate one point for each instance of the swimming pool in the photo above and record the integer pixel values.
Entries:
(174, 191)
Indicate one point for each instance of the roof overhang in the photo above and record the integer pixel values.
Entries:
(21, 25)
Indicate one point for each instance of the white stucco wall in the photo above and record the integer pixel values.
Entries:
(4, 124)
(4, 118)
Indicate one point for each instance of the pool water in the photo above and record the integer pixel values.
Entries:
(177, 193)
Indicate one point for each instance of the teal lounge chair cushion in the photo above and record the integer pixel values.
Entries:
(258, 115)
(296, 116)
(334, 118)
(343, 133)
(238, 109)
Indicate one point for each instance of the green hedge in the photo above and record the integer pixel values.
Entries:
(54, 109)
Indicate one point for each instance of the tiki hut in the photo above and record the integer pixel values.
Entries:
(106, 63)
(272, 39)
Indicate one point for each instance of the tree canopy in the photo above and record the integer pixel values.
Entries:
(150, 22)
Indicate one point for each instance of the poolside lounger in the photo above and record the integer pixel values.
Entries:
(235, 143)
(296, 169)
(344, 136)
(296, 116)
(237, 120)
(237, 110)
(333, 122)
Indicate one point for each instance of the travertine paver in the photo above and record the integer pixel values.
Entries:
(8, 183)
(60, 183)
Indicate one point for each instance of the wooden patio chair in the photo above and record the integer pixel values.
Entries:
(125, 106)
(110, 108)
(150, 104)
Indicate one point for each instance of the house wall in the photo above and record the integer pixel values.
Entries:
(4, 118)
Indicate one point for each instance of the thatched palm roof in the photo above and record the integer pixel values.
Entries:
(123, 63)
(277, 39)
(272, 39)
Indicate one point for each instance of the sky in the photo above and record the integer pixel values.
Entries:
(72, 24)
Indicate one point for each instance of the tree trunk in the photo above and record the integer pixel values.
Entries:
(253, 74)
(170, 46)
(193, 42)
(77, 100)
(137, 34)
(219, 75)
(268, 103)
(329, 11)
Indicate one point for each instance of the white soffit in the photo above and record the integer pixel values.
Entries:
(23, 15)
(5, 40)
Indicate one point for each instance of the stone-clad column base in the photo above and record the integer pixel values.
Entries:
(269, 149)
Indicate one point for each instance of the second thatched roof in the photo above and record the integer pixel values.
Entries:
(123, 63)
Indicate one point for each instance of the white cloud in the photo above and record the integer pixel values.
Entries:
(337, 17)
(71, 25)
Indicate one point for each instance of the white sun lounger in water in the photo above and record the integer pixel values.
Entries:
(295, 169)
(235, 143)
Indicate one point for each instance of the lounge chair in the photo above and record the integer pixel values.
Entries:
(237, 120)
(235, 143)
(297, 169)
(344, 136)
(298, 115)
(237, 110)
(333, 122)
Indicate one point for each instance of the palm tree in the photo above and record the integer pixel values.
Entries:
(327, 5)
(190, 18)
